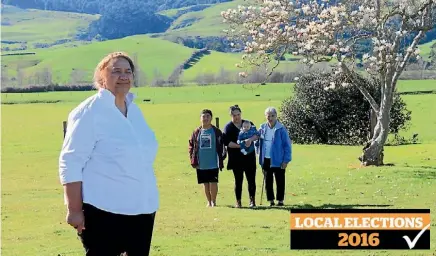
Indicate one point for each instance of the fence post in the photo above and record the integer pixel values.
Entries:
(217, 122)
(64, 123)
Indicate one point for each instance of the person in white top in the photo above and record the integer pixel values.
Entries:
(275, 152)
(106, 166)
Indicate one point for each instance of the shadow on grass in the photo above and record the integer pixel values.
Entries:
(31, 102)
(420, 172)
(309, 206)
(430, 175)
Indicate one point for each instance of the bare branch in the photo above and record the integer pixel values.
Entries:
(356, 81)
(419, 11)
(415, 42)
(400, 67)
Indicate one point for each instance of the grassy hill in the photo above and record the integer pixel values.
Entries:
(218, 62)
(207, 22)
(32, 27)
(28, 28)
(152, 53)
(175, 13)
(155, 56)
(425, 49)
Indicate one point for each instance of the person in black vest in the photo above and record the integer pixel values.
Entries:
(237, 161)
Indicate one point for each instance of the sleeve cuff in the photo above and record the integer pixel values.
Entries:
(69, 176)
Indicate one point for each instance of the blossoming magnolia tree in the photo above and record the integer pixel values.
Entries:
(324, 30)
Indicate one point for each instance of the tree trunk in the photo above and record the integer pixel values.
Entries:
(373, 123)
(373, 150)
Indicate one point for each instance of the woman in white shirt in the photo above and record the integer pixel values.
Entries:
(106, 166)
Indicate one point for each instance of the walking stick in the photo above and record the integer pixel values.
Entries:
(263, 185)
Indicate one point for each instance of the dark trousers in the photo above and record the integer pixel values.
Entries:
(111, 234)
(250, 174)
(279, 175)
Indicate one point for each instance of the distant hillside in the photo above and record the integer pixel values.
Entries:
(206, 22)
(426, 49)
(97, 6)
(200, 27)
(176, 13)
(197, 24)
(223, 64)
(64, 47)
(203, 26)
(26, 29)
(156, 58)
(138, 16)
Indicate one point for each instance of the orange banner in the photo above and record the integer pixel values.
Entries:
(360, 221)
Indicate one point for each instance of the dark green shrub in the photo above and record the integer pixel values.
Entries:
(340, 116)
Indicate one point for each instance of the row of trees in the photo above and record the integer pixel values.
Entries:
(44, 77)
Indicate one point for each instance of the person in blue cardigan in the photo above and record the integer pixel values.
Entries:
(274, 148)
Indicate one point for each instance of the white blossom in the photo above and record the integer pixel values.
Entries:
(243, 74)
(267, 26)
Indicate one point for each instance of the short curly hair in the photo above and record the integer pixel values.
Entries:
(98, 79)
(206, 111)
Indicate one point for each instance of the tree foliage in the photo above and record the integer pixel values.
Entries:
(125, 18)
(323, 30)
(314, 115)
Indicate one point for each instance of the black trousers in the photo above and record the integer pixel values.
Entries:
(250, 174)
(111, 234)
(279, 175)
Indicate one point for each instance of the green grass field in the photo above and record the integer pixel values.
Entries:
(320, 176)
(232, 93)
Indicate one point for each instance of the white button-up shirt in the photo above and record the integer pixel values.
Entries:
(269, 136)
(111, 155)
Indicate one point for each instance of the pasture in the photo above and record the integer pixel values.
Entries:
(206, 22)
(38, 26)
(53, 47)
(319, 176)
(153, 58)
(155, 51)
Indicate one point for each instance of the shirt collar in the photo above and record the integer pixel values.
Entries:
(108, 96)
